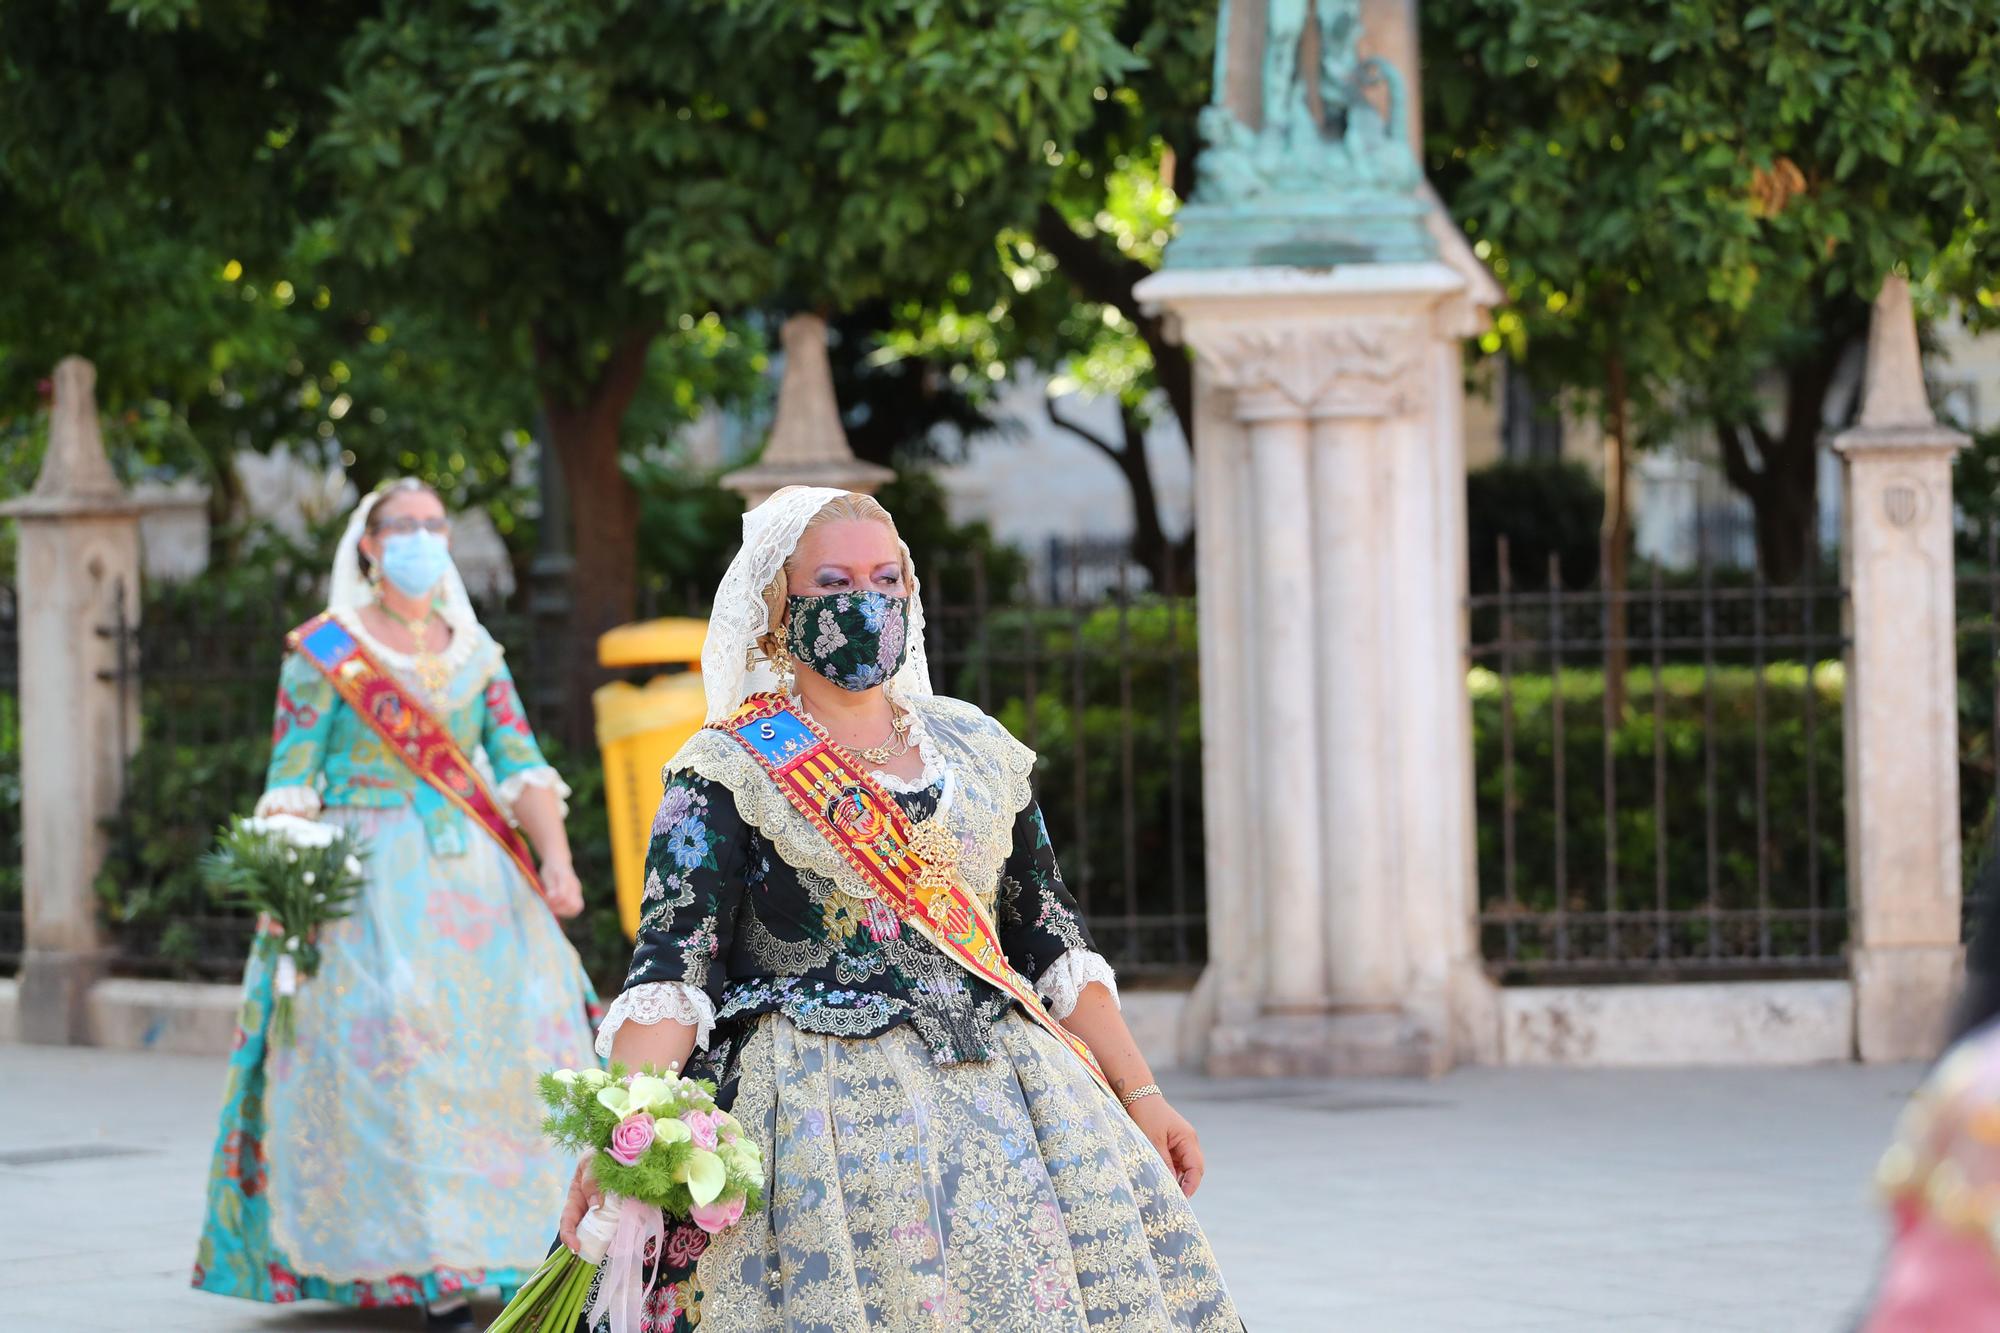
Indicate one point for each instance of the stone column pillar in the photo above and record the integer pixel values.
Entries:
(1902, 699)
(1282, 558)
(1352, 475)
(1332, 681)
(79, 554)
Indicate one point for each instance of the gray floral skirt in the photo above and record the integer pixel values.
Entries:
(1009, 1194)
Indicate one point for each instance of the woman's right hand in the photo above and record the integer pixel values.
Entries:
(584, 1194)
(561, 889)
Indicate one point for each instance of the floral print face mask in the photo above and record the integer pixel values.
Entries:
(857, 640)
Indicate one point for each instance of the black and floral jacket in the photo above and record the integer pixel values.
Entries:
(747, 912)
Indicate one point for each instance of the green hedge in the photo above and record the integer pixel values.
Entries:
(10, 802)
(1138, 682)
(1083, 689)
(177, 795)
(180, 791)
(1675, 819)
(1544, 509)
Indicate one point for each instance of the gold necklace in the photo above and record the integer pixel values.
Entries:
(896, 746)
(431, 670)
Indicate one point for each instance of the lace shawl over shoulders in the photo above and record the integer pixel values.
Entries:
(990, 774)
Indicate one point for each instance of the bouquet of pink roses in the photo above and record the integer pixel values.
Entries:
(663, 1154)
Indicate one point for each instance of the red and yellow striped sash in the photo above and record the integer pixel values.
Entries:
(409, 730)
(861, 820)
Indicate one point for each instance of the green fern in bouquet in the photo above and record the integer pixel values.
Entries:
(298, 876)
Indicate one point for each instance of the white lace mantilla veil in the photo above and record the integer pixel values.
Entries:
(731, 670)
(348, 590)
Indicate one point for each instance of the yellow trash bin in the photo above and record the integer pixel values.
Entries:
(639, 727)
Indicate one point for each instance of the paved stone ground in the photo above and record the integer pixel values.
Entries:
(1551, 1201)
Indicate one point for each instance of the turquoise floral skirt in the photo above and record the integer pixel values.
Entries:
(393, 1154)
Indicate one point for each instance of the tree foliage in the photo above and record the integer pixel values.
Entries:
(1700, 196)
(156, 216)
(1056, 293)
(563, 182)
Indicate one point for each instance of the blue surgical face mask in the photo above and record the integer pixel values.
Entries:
(415, 561)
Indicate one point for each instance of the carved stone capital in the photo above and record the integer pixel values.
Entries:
(1355, 368)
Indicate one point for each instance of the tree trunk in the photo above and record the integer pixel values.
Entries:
(1781, 480)
(1787, 514)
(1782, 484)
(1149, 535)
(1098, 272)
(1169, 564)
(585, 432)
(1617, 531)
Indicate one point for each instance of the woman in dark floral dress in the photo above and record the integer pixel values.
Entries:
(938, 1159)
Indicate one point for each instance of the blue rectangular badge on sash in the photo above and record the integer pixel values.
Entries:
(328, 644)
(777, 739)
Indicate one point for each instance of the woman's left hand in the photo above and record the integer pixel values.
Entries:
(1174, 1137)
(561, 889)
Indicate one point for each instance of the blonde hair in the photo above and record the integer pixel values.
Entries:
(390, 491)
(386, 494)
(848, 507)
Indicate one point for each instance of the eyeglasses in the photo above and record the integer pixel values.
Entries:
(403, 527)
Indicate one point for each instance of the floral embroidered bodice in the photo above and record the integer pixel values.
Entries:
(746, 903)
(323, 755)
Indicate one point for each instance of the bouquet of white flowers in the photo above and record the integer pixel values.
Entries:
(298, 875)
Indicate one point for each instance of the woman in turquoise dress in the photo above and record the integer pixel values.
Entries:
(392, 1155)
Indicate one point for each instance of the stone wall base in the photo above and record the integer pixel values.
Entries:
(1365, 1044)
(1903, 998)
(180, 1017)
(1155, 1019)
(54, 997)
(192, 1018)
(1733, 1023)
(1725, 1023)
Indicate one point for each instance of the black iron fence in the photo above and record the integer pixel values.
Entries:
(10, 782)
(1084, 573)
(1660, 777)
(207, 678)
(1104, 687)
(1679, 815)
(1979, 714)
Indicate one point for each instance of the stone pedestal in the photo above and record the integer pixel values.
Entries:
(1901, 702)
(1336, 750)
(79, 555)
(808, 445)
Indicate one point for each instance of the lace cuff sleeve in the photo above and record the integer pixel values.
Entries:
(1062, 982)
(300, 800)
(542, 775)
(653, 1002)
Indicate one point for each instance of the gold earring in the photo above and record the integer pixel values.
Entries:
(788, 676)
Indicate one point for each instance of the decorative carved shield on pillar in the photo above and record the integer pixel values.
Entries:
(1903, 501)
